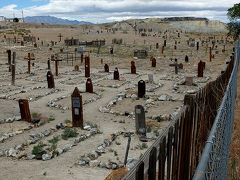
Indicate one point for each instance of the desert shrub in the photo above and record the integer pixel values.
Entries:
(38, 150)
(69, 133)
(51, 118)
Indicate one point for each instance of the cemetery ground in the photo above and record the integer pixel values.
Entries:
(50, 148)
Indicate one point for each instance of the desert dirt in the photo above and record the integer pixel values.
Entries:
(106, 90)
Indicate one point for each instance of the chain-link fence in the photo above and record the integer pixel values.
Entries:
(199, 136)
(214, 160)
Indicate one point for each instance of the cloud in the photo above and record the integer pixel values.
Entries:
(108, 10)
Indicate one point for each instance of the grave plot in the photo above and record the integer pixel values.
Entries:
(9, 129)
(9, 112)
(33, 93)
(110, 153)
(163, 108)
(77, 79)
(64, 102)
(7, 88)
(111, 83)
(50, 143)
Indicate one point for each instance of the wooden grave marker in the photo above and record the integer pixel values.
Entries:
(140, 119)
(89, 85)
(141, 89)
(29, 58)
(77, 109)
(50, 80)
(87, 66)
(56, 60)
(24, 110)
(133, 67)
(106, 68)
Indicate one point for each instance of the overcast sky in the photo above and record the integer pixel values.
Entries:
(98, 11)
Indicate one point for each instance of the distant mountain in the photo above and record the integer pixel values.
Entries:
(53, 20)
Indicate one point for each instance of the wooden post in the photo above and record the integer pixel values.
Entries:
(87, 66)
(77, 109)
(162, 160)
(89, 85)
(50, 80)
(133, 67)
(152, 164)
(9, 57)
(60, 37)
(24, 110)
(210, 54)
(56, 60)
(141, 89)
(49, 64)
(13, 74)
(30, 57)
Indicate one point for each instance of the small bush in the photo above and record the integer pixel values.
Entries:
(54, 140)
(38, 150)
(67, 121)
(36, 115)
(69, 133)
(51, 118)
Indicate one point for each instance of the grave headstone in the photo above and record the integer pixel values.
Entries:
(133, 67)
(197, 46)
(186, 59)
(89, 86)
(24, 110)
(77, 109)
(76, 68)
(154, 62)
(150, 78)
(87, 66)
(141, 89)
(106, 68)
(116, 74)
(111, 50)
(50, 80)
(140, 121)
(200, 68)
(189, 81)
(49, 64)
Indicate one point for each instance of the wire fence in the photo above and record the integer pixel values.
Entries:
(198, 137)
(214, 159)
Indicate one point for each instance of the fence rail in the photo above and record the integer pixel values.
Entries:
(186, 144)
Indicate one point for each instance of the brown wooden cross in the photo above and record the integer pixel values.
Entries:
(30, 57)
(56, 60)
(176, 65)
(60, 37)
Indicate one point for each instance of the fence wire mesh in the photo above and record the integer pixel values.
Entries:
(214, 159)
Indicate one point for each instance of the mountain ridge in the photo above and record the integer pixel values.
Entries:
(53, 20)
